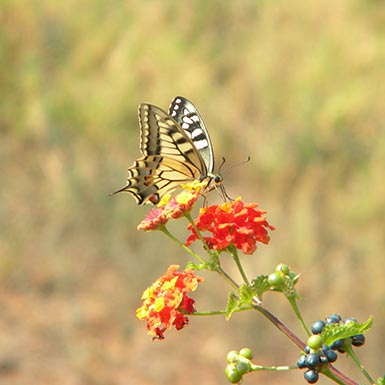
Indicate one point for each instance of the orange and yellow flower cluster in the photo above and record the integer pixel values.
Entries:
(165, 302)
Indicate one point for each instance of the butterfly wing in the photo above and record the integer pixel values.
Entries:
(162, 135)
(153, 176)
(188, 117)
(169, 157)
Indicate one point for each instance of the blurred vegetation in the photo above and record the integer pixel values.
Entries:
(298, 86)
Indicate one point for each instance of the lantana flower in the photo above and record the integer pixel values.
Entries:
(173, 209)
(232, 223)
(165, 302)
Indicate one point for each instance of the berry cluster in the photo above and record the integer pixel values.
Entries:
(314, 358)
(284, 280)
(319, 354)
(238, 364)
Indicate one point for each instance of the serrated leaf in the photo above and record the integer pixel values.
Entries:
(246, 294)
(260, 285)
(232, 305)
(334, 332)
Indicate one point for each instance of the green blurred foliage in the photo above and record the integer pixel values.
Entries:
(298, 86)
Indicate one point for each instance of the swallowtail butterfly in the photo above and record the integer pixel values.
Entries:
(176, 150)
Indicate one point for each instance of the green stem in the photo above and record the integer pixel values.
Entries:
(226, 277)
(179, 243)
(273, 368)
(352, 354)
(237, 261)
(294, 306)
(192, 223)
(219, 312)
(337, 376)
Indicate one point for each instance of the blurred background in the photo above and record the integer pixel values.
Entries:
(298, 86)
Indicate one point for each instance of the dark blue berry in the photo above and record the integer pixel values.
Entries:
(358, 340)
(333, 319)
(331, 355)
(311, 376)
(301, 362)
(312, 360)
(323, 359)
(307, 349)
(325, 348)
(337, 344)
(317, 327)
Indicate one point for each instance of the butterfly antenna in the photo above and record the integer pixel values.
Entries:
(221, 188)
(221, 165)
(234, 165)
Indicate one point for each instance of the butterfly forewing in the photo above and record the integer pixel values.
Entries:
(188, 117)
(162, 135)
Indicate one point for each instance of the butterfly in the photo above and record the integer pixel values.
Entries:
(176, 150)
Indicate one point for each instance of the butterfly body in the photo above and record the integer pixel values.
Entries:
(176, 150)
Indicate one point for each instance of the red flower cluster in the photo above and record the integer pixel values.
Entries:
(165, 302)
(232, 223)
(174, 209)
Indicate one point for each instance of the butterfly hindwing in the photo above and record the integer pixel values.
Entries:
(153, 176)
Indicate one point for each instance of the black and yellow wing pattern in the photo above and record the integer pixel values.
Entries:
(176, 150)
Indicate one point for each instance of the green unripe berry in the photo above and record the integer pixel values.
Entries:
(282, 267)
(315, 341)
(232, 356)
(243, 367)
(232, 374)
(294, 276)
(275, 279)
(246, 352)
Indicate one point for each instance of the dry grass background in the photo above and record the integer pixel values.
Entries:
(300, 86)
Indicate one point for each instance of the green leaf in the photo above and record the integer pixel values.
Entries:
(232, 304)
(246, 294)
(213, 263)
(260, 285)
(334, 332)
(194, 266)
(380, 381)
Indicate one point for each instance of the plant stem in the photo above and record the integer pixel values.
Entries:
(226, 277)
(237, 261)
(179, 243)
(273, 368)
(331, 371)
(294, 306)
(218, 312)
(352, 354)
(192, 223)
(283, 328)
